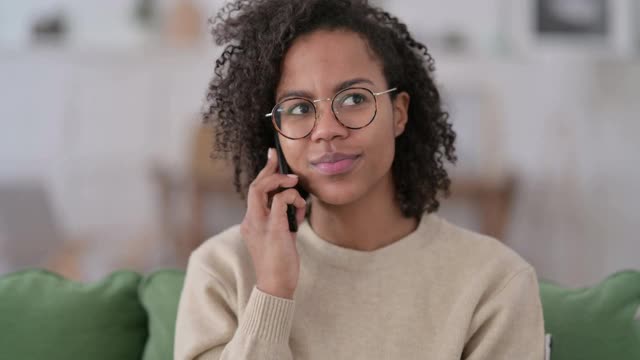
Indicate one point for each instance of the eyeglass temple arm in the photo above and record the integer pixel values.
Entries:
(386, 91)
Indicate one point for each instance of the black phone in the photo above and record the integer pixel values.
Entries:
(284, 169)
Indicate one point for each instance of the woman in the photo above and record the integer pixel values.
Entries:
(372, 272)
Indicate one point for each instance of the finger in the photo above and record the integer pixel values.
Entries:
(271, 166)
(278, 214)
(258, 195)
(276, 181)
(300, 214)
(287, 197)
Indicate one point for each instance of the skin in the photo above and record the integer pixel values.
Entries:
(356, 210)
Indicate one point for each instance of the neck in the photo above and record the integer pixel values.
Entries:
(369, 223)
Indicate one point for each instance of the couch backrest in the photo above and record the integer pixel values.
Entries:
(126, 316)
(160, 293)
(597, 322)
(44, 316)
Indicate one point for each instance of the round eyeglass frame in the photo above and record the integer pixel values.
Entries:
(315, 109)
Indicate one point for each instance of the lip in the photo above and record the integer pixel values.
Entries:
(335, 163)
(333, 157)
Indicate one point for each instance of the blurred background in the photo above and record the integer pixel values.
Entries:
(104, 163)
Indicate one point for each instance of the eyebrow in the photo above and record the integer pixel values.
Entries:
(308, 95)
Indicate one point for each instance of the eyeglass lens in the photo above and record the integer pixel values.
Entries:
(354, 108)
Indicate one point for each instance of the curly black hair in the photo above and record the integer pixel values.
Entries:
(257, 35)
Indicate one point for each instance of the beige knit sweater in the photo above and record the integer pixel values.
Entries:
(439, 293)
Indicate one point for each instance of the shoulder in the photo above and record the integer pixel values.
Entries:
(477, 258)
(480, 248)
(224, 256)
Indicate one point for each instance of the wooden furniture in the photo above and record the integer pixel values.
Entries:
(492, 199)
(204, 176)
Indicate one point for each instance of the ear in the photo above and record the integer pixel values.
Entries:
(400, 112)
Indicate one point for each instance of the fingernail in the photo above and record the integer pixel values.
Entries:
(269, 153)
(292, 175)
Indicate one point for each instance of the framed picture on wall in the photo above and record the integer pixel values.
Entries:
(604, 28)
(572, 18)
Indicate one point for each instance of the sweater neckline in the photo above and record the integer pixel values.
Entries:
(392, 254)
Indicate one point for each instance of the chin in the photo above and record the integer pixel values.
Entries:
(337, 193)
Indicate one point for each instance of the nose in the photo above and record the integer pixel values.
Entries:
(327, 125)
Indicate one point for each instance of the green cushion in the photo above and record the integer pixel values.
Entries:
(596, 322)
(44, 316)
(160, 293)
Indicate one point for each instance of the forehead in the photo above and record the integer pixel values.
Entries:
(326, 57)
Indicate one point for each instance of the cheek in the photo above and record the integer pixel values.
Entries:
(381, 134)
(294, 151)
(381, 148)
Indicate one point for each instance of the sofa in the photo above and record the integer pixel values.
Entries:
(128, 315)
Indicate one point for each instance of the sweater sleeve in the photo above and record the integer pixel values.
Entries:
(207, 326)
(510, 324)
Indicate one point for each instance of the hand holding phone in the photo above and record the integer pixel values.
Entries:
(266, 229)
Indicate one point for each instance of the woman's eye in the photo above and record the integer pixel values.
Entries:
(298, 109)
(352, 99)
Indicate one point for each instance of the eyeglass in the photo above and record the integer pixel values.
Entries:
(354, 108)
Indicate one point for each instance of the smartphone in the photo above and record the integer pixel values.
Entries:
(284, 169)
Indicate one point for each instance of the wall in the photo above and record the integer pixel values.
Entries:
(92, 123)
